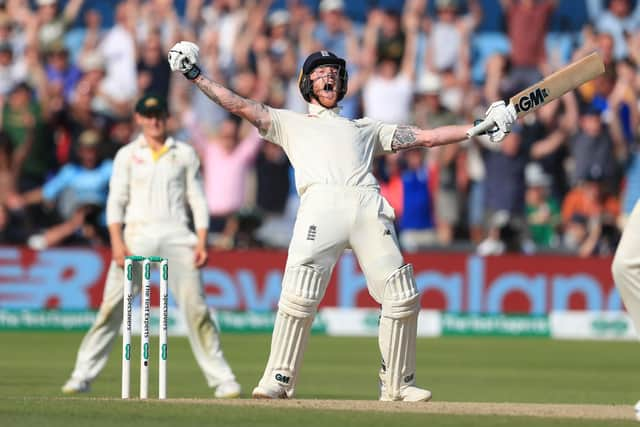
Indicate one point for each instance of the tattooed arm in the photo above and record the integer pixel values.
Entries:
(407, 137)
(255, 112)
(183, 57)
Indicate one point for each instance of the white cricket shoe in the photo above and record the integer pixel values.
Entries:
(637, 410)
(409, 393)
(269, 393)
(74, 386)
(228, 390)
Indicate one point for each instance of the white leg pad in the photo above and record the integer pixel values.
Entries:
(302, 289)
(397, 334)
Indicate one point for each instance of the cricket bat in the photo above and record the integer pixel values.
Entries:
(552, 87)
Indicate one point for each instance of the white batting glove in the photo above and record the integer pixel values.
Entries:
(503, 116)
(496, 135)
(183, 57)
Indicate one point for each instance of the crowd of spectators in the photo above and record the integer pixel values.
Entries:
(562, 181)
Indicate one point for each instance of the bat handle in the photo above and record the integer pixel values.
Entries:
(480, 128)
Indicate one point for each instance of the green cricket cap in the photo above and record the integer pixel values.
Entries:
(152, 105)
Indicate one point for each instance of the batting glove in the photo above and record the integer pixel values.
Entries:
(503, 116)
(496, 135)
(183, 57)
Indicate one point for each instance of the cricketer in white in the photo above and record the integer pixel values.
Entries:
(154, 178)
(626, 271)
(341, 207)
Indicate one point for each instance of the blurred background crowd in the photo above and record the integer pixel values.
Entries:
(563, 181)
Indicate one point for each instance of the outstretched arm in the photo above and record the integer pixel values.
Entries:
(497, 123)
(406, 137)
(183, 57)
(255, 112)
(71, 10)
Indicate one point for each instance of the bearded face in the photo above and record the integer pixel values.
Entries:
(325, 85)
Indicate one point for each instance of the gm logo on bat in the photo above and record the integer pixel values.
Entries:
(535, 98)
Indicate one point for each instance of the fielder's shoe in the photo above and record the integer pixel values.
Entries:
(269, 393)
(74, 386)
(228, 390)
(637, 410)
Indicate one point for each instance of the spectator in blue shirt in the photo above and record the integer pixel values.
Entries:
(416, 225)
(60, 70)
(505, 190)
(79, 192)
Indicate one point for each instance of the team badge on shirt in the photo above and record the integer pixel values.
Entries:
(311, 234)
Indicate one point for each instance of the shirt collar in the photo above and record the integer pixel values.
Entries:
(320, 111)
(142, 143)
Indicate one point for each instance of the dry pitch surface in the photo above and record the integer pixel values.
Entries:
(542, 410)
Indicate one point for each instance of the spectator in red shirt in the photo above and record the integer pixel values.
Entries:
(527, 25)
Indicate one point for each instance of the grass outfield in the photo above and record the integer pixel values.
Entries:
(33, 366)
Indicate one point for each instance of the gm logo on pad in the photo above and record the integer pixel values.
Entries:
(282, 378)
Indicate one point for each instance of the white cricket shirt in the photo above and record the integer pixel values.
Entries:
(147, 190)
(325, 148)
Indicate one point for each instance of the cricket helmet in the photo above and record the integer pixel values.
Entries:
(316, 59)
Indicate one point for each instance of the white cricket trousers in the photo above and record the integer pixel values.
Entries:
(176, 243)
(626, 266)
(332, 218)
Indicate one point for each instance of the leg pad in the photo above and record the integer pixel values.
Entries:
(302, 289)
(397, 334)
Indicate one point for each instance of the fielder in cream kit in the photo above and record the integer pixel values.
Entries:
(154, 178)
(341, 207)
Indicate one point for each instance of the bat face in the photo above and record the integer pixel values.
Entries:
(552, 87)
(530, 100)
(557, 84)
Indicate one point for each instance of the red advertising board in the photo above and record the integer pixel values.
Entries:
(73, 278)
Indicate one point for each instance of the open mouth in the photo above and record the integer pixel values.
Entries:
(328, 87)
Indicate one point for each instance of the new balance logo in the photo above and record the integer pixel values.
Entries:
(311, 234)
(408, 378)
(282, 378)
(387, 232)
